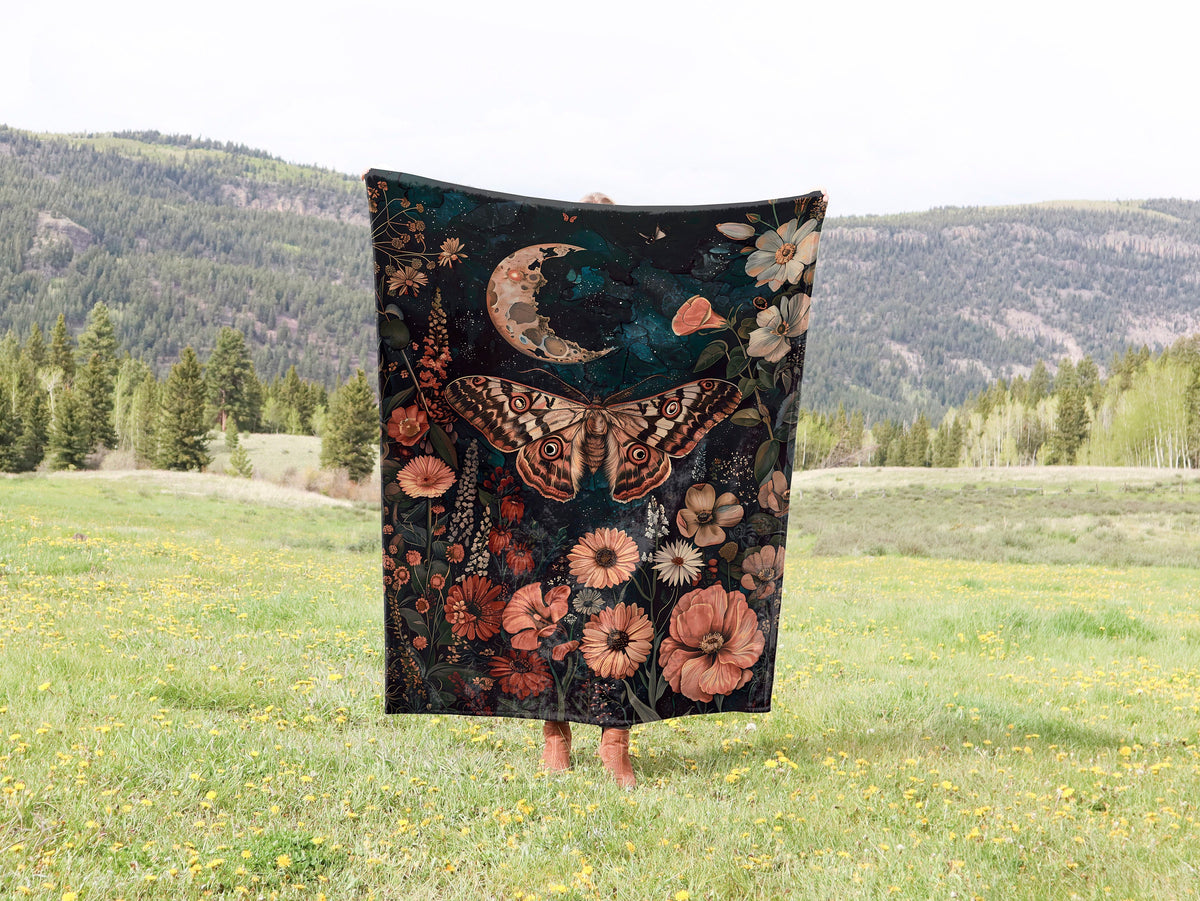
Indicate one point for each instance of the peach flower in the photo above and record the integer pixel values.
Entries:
(714, 642)
(705, 517)
(425, 477)
(530, 616)
(774, 494)
(617, 640)
(761, 570)
(695, 315)
(603, 558)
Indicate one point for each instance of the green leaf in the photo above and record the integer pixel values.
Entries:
(443, 445)
(414, 621)
(394, 333)
(713, 352)
(764, 460)
(746, 385)
(737, 362)
(646, 714)
(747, 417)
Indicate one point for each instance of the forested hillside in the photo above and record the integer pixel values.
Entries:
(912, 313)
(180, 238)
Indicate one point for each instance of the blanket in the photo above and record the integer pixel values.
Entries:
(587, 419)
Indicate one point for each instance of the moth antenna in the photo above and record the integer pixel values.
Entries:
(566, 385)
(625, 392)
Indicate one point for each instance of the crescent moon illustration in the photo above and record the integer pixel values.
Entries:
(512, 304)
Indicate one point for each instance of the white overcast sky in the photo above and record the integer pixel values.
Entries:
(887, 106)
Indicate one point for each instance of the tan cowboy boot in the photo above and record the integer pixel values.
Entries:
(556, 755)
(614, 754)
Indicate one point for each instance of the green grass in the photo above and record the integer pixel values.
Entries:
(190, 696)
(1063, 515)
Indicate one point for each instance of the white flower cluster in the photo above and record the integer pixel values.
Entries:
(464, 509)
(477, 562)
(657, 526)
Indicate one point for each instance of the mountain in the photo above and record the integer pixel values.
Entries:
(911, 312)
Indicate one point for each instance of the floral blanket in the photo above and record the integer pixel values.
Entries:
(588, 414)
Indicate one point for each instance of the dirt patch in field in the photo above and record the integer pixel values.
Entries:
(204, 484)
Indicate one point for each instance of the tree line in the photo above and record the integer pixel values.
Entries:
(69, 399)
(1146, 412)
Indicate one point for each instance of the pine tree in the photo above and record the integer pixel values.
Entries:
(143, 420)
(916, 447)
(350, 439)
(94, 389)
(99, 338)
(68, 443)
(35, 433)
(1038, 385)
(62, 350)
(1071, 424)
(239, 460)
(182, 430)
(36, 351)
(231, 387)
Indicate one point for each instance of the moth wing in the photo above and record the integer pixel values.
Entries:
(552, 465)
(675, 420)
(633, 468)
(511, 415)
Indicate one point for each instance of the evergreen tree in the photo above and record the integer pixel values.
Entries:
(143, 420)
(182, 431)
(231, 387)
(350, 439)
(1071, 423)
(94, 389)
(35, 433)
(62, 350)
(10, 430)
(36, 351)
(99, 338)
(1038, 386)
(68, 443)
(916, 446)
(239, 460)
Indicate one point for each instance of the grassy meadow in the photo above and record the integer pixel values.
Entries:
(988, 686)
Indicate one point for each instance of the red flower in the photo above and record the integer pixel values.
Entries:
(519, 559)
(530, 617)
(408, 425)
(499, 539)
(455, 553)
(512, 508)
(521, 674)
(472, 608)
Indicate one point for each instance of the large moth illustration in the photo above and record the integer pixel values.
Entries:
(557, 440)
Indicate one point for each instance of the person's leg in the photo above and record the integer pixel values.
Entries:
(556, 755)
(614, 754)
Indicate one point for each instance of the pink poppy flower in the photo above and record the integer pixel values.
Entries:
(714, 643)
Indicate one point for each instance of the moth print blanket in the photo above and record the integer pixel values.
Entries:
(588, 414)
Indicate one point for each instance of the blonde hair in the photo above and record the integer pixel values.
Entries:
(596, 197)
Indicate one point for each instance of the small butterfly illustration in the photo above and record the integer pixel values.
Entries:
(567, 218)
(658, 235)
(557, 439)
